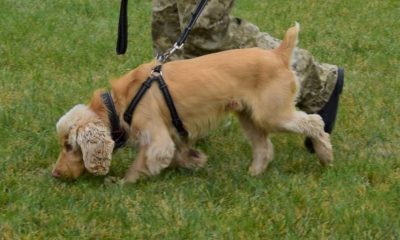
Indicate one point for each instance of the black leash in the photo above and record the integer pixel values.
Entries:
(195, 16)
(182, 38)
(122, 40)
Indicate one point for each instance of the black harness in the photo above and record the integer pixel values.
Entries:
(176, 121)
(118, 133)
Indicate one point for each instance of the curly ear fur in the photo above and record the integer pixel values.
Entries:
(97, 147)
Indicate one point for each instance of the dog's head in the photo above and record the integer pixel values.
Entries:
(86, 144)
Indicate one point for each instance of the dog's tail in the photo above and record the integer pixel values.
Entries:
(288, 43)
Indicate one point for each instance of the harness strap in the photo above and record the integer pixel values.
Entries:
(135, 101)
(176, 121)
(118, 134)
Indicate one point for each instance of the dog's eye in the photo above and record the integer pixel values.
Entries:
(67, 147)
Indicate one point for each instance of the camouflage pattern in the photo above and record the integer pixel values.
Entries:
(216, 30)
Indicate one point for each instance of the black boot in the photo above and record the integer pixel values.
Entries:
(329, 111)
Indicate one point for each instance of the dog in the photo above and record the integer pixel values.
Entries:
(257, 85)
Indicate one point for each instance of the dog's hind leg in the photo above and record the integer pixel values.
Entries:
(312, 126)
(262, 147)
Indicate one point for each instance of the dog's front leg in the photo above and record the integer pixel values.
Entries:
(138, 167)
(154, 155)
(159, 154)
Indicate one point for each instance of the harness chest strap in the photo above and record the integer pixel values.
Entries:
(176, 121)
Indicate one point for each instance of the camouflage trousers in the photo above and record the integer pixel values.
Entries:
(216, 30)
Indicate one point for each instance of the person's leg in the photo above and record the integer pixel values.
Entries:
(329, 110)
(210, 29)
(165, 27)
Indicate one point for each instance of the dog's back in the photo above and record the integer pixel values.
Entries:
(239, 80)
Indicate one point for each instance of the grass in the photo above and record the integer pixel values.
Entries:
(53, 54)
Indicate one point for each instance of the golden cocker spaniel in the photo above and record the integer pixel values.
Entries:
(257, 85)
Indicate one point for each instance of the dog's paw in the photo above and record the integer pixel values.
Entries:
(255, 171)
(159, 156)
(130, 178)
(196, 159)
(323, 149)
(111, 180)
(261, 158)
(257, 167)
(190, 159)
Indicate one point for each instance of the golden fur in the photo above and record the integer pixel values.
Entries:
(257, 85)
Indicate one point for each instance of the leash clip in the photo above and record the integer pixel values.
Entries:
(162, 58)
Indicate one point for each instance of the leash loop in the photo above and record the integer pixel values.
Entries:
(122, 40)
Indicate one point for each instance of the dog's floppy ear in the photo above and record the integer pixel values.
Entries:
(97, 147)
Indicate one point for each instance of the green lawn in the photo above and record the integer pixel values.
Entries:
(53, 54)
